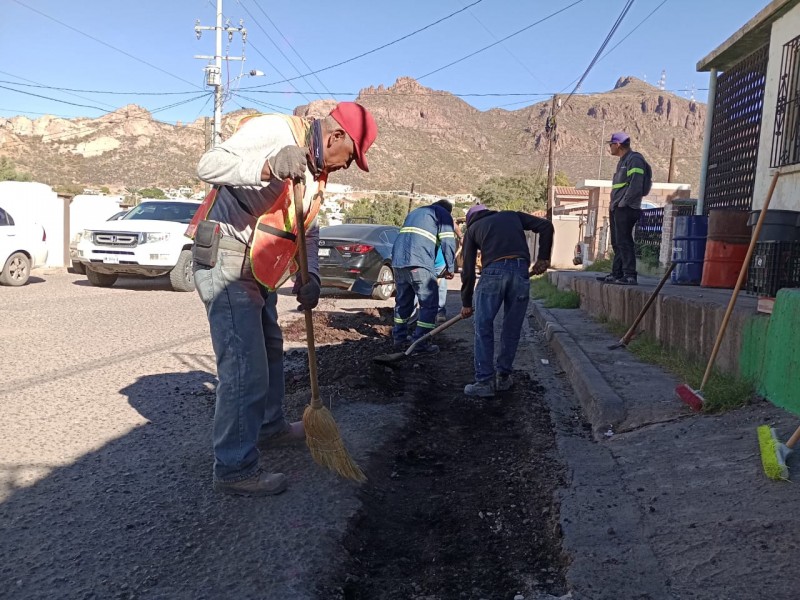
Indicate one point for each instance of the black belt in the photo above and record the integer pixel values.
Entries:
(229, 243)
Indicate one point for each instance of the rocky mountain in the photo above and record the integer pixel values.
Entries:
(428, 137)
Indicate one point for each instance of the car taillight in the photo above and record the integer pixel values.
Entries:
(354, 248)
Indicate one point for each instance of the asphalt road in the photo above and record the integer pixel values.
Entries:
(105, 454)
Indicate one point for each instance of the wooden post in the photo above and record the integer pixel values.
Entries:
(410, 198)
(671, 173)
(551, 172)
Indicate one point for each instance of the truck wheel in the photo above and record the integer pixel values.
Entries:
(100, 279)
(78, 267)
(181, 278)
(16, 271)
(384, 286)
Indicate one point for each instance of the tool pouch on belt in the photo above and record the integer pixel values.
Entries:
(274, 242)
(206, 243)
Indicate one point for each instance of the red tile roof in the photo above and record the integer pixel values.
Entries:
(561, 191)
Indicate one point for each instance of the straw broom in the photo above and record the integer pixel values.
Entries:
(322, 433)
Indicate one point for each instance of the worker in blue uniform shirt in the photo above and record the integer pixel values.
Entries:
(425, 230)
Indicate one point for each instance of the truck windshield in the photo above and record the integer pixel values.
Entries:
(178, 212)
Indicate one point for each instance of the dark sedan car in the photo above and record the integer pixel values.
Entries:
(358, 257)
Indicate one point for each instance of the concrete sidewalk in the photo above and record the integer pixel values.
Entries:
(671, 504)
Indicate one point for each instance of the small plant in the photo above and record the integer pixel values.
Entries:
(600, 266)
(542, 289)
(723, 392)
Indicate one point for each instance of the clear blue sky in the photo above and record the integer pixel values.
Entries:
(544, 59)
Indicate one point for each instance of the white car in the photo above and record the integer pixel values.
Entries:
(148, 241)
(22, 248)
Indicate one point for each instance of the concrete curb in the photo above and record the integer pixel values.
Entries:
(604, 409)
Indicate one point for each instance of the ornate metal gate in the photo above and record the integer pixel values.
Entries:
(735, 134)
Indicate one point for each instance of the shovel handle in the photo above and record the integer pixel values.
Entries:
(298, 193)
(433, 332)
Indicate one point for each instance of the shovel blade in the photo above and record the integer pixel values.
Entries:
(386, 359)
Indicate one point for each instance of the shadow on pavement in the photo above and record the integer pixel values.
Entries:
(138, 518)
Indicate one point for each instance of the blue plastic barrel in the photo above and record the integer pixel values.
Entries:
(689, 249)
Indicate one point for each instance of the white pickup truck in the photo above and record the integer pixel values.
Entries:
(148, 241)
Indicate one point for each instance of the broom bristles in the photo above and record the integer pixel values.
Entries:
(326, 445)
(771, 457)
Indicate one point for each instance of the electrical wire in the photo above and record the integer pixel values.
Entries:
(596, 57)
(284, 109)
(501, 40)
(99, 41)
(507, 49)
(305, 64)
(368, 52)
(103, 110)
(615, 46)
(63, 89)
(264, 31)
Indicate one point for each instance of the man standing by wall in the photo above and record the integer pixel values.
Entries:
(505, 282)
(250, 172)
(413, 257)
(632, 180)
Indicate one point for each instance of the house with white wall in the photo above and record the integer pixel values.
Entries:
(753, 120)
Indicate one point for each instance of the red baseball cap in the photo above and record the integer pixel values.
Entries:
(360, 125)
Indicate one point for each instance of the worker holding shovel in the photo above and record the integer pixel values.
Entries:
(246, 239)
(505, 273)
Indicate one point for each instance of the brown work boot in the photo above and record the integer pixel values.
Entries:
(293, 434)
(260, 484)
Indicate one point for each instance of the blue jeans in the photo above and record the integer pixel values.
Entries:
(442, 295)
(248, 344)
(412, 283)
(503, 283)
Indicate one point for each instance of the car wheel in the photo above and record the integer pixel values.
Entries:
(181, 278)
(100, 279)
(384, 286)
(78, 267)
(17, 270)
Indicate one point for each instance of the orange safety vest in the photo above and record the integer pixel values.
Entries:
(273, 246)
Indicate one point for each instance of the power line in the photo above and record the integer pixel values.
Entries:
(63, 89)
(368, 52)
(507, 49)
(615, 46)
(305, 64)
(106, 44)
(36, 82)
(278, 48)
(596, 57)
(103, 110)
(261, 103)
(463, 58)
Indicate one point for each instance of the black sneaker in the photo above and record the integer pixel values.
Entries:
(610, 278)
(626, 281)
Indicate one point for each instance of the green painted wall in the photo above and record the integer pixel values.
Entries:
(770, 353)
(754, 342)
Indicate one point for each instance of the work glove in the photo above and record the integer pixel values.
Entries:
(289, 163)
(539, 267)
(308, 294)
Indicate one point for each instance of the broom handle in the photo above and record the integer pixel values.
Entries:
(299, 218)
(740, 280)
(794, 439)
(629, 334)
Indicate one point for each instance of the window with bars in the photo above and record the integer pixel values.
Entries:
(786, 136)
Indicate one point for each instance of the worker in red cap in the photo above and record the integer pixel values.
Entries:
(235, 275)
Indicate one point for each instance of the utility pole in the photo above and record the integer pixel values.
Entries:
(602, 150)
(214, 71)
(671, 172)
(550, 128)
(410, 198)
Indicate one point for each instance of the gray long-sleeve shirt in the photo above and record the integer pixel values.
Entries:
(237, 164)
(628, 183)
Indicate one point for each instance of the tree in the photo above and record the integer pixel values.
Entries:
(526, 193)
(9, 173)
(382, 210)
(151, 193)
